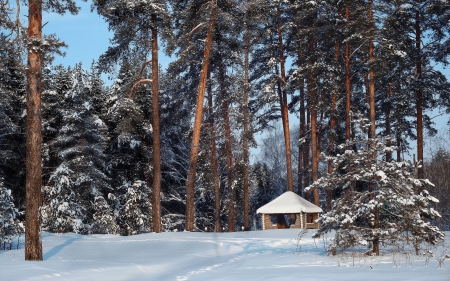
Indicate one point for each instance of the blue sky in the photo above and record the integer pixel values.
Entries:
(86, 34)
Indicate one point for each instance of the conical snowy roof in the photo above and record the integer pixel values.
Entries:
(288, 203)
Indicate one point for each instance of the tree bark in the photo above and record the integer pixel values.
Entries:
(156, 198)
(229, 154)
(306, 150)
(190, 182)
(302, 132)
(246, 132)
(284, 105)
(33, 244)
(348, 87)
(376, 241)
(313, 109)
(333, 127)
(215, 169)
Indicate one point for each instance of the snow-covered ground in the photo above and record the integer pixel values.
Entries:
(255, 255)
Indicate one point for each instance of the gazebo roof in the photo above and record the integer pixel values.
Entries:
(289, 203)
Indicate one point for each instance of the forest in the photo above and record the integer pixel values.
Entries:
(342, 94)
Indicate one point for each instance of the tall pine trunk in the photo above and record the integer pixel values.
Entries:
(229, 154)
(190, 181)
(284, 105)
(156, 197)
(348, 87)
(372, 133)
(419, 96)
(246, 132)
(313, 108)
(33, 244)
(302, 132)
(306, 150)
(215, 169)
(333, 127)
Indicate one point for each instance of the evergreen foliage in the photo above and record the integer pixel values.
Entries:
(97, 141)
(379, 201)
(10, 226)
(80, 175)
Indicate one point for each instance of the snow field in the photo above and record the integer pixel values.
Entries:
(254, 255)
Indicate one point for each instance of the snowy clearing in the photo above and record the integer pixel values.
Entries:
(254, 255)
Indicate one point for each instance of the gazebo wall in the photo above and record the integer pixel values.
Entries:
(267, 222)
(301, 221)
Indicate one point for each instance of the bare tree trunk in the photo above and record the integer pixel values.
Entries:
(246, 132)
(284, 105)
(33, 244)
(190, 182)
(156, 198)
(348, 87)
(215, 169)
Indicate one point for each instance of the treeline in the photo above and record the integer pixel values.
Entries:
(169, 149)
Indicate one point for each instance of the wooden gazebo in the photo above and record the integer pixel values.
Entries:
(299, 212)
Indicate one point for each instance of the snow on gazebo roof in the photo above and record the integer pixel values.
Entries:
(289, 203)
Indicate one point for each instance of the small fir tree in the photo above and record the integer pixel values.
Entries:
(379, 201)
(134, 208)
(10, 226)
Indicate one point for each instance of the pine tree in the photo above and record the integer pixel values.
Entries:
(37, 52)
(133, 15)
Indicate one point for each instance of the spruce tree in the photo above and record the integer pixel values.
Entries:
(381, 201)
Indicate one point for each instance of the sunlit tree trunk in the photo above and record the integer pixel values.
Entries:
(190, 182)
(284, 104)
(33, 244)
(376, 241)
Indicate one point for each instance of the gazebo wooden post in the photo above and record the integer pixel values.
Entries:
(262, 219)
(301, 220)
